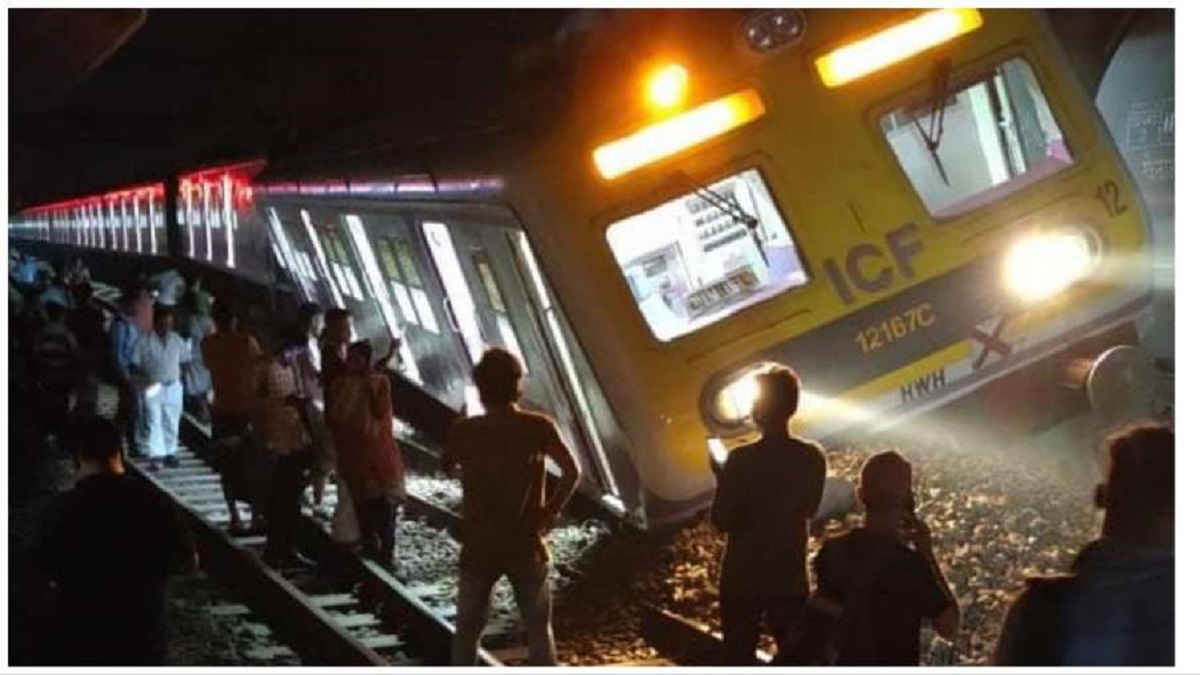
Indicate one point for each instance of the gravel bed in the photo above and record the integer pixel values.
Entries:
(426, 556)
(995, 518)
(206, 628)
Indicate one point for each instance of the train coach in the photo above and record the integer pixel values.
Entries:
(904, 206)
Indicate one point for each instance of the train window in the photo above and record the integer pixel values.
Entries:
(408, 268)
(371, 274)
(701, 257)
(483, 268)
(323, 263)
(980, 142)
(342, 265)
(391, 270)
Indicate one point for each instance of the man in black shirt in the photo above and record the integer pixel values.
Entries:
(766, 493)
(882, 579)
(108, 545)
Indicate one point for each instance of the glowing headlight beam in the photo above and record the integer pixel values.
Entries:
(1043, 265)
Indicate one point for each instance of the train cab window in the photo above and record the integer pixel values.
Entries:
(701, 257)
(978, 143)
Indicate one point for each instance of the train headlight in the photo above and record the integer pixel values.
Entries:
(767, 30)
(734, 400)
(1042, 265)
(667, 87)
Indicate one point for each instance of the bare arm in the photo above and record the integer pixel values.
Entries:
(570, 476)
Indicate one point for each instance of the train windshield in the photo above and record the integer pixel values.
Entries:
(701, 257)
(980, 142)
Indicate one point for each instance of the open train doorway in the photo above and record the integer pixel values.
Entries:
(490, 294)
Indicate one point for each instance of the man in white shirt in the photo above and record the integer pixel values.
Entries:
(157, 357)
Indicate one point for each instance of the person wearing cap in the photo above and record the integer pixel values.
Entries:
(1117, 606)
(881, 580)
(766, 493)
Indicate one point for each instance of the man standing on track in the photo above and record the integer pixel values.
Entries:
(123, 333)
(881, 580)
(506, 514)
(766, 492)
(233, 358)
(158, 357)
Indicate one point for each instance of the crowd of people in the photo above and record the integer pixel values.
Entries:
(309, 405)
(314, 404)
(877, 584)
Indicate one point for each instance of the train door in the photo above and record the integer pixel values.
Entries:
(287, 244)
(493, 308)
(345, 274)
(408, 286)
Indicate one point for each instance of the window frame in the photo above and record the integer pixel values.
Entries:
(962, 76)
(668, 189)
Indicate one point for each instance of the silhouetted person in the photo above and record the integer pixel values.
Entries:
(305, 353)
(766, 492)
(58, 292)
(27, 270)
(56, 365)
(195, 324)
(123, 333)
(883, 579)
(233, 358)
(334, 355)
(86, 322)
(108, 545)
(360, 420)
(1117, 607)
(283, 435)
(505, 510)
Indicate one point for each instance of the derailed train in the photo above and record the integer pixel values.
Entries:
(904, 206)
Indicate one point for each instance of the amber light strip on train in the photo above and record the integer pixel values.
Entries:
(859, 59)
(678, 133)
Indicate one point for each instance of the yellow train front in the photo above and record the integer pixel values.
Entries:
(903, 206)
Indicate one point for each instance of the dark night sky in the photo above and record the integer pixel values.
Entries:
(194, 85)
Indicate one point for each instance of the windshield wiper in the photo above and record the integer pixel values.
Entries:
(731, 208)
(937, 116)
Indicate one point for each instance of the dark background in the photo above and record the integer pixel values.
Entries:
(103, 98)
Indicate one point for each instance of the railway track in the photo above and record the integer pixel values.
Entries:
(351, 611)
(346, 611)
